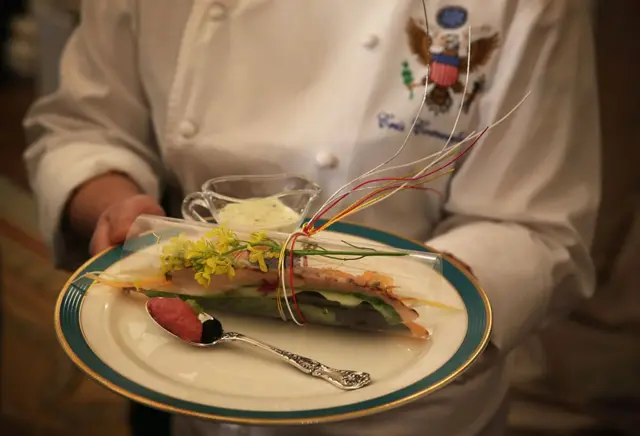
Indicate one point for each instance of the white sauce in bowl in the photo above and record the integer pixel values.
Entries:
(268, 213)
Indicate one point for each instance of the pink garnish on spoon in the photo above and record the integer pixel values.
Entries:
(176, 316)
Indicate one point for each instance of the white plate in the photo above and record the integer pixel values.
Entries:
(110, 336)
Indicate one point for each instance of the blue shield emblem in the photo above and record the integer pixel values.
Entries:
(452, 17)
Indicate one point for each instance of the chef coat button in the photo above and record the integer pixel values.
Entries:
(218, 11)
(187, 129)
(326, 160)
(371, 42)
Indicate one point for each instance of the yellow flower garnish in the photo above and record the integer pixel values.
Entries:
(173, 256)
(219, 266)
(256, 255)
(257, 237)
(216, 254)
(224, 239)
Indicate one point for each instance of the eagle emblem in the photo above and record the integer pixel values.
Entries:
(446, 65)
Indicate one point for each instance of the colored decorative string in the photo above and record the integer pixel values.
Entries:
(380, 193)
(409, 134)
(404, 186)
(292, 238)
(403, 145)
(307, 229)
(471, 136)
(281, 293)
(369, 199)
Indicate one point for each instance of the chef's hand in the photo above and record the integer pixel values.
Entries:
(106, 207)
(114, 223)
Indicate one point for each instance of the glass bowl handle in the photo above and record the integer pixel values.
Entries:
(190, 202)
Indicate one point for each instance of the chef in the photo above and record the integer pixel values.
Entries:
(155, 93)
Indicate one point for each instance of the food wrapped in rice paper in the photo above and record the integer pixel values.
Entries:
(336, 281)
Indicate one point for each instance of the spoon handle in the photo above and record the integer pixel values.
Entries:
(344, 379)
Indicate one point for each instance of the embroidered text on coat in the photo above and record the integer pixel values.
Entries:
(387, 120)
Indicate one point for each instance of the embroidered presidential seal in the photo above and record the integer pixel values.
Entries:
(442, 56)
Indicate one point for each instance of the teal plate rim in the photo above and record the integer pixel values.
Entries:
(71, 338)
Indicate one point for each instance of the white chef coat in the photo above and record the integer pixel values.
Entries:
(198, 89)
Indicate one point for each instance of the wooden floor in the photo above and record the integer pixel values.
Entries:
(42, 392)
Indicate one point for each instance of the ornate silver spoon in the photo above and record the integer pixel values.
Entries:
(213, 334)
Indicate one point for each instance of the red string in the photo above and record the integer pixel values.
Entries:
(413, 179)
(409, 179)
(309, 226)
(378, 191)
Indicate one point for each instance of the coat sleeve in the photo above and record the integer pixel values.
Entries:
(96, 122)
(522, 207)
